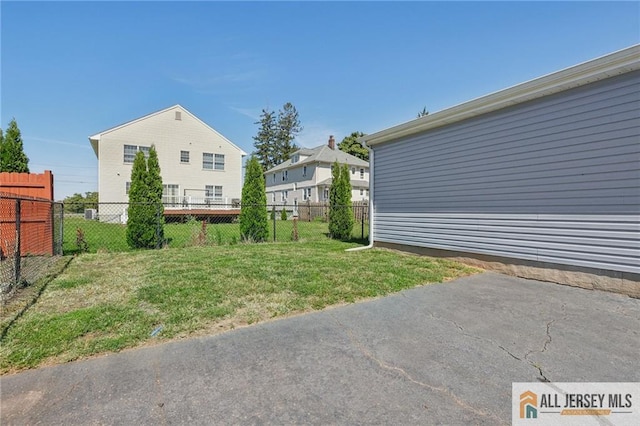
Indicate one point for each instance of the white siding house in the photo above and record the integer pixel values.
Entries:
(198, 164)
(306, 176)
(540, 180)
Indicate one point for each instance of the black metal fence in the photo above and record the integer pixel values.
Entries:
(103, 226)
(35, 233)
(31, 238)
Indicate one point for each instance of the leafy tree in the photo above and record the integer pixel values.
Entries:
(145, 222)
(423, 112)
(91, 199)
(12, 156)
(76, 203)
(340, 212)
(350, 145)
(274, 141)
(254, 223)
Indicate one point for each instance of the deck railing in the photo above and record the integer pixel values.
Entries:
(191, 203)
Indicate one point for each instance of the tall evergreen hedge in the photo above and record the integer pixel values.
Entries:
(154, 183)
(341, 218)
(254, 221)
(145, 215)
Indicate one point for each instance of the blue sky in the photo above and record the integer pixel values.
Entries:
(72, 69)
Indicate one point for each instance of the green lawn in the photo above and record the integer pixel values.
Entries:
(111, 237)
(108, 301)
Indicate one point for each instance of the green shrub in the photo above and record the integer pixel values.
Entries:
(340, 212)
(81, 242)
(254, 223)
(283, 214)
(141, 221)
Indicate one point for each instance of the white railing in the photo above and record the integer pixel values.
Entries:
(189, 202)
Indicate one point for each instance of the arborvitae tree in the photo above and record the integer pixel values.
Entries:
(141, 221)
(154, 185)
(254, 223)
(350, 145)
(346, 189)
(340, 212)
(12, 156)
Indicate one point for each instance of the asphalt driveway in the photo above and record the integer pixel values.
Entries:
(443, 353)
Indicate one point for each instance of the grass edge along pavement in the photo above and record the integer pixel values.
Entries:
(107, 302)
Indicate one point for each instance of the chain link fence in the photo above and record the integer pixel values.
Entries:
(103, 226)
(35, 233)
(31, 235)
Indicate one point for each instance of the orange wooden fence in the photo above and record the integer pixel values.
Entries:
(34, 192)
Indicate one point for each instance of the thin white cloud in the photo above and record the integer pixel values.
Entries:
(57, 142)
(210, 74)
(208, 82)
(252, 113)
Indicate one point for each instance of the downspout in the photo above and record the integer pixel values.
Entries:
(370, 245)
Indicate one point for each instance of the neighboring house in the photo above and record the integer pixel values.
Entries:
(540, 180)
(306, 176)
(199, 166)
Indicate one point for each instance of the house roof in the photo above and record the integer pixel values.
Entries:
(320, 154)
(354, 183)
(616, 63)
(95, 139)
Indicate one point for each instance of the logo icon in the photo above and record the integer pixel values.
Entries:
(528, 405)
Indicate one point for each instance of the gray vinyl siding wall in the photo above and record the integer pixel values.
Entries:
(552, 180)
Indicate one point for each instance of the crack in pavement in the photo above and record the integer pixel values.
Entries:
(547, 341)
(407, 376)
(485, 339)
(507, 351)
(623, 311)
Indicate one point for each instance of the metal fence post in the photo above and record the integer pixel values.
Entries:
(52, 216)
(61, 240)
(273, 216)
(158, 226)
(17, 247)
(362, 222)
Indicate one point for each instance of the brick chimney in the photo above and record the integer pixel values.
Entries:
(332, 142)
